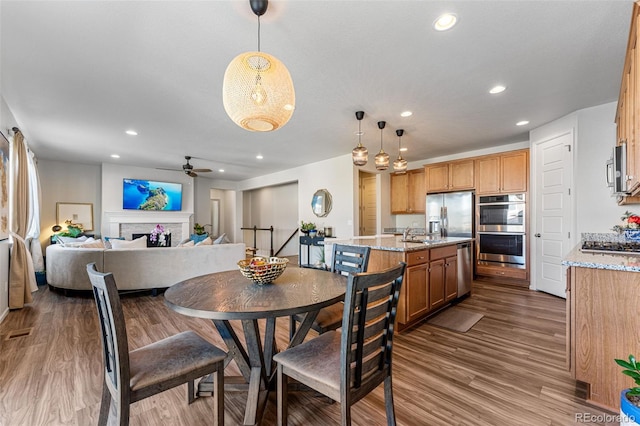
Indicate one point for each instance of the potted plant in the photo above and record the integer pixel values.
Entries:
(198, 229)
(630, 398)
(307, 227)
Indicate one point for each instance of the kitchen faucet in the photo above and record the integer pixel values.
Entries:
(406, 233)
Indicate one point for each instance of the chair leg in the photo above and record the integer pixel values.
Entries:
(292, 327)
(282, 397)
(105, 405)
(218, 397)
(123, 413)
(388, 402)
(345, 411)
(191, 396)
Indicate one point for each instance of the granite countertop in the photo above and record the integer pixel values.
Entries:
(394, 243)
(615, 262)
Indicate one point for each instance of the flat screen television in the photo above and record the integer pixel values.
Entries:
(140, 194)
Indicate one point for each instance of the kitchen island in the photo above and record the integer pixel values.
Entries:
(431, 279)
(603, 296)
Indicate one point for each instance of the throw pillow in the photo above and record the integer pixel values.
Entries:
(222, 239)
(65, 240)
(206, 242)
(92, 244)
(189, 243)
(197, 238)
(75, 242)
(107, 241)
(123, 244)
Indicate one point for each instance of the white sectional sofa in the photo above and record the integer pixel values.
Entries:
(139, 268)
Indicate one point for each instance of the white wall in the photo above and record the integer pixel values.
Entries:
(336, 175)
(62, 181)
(596, 209)
(275, 206)
(113, 174)
(595, 134)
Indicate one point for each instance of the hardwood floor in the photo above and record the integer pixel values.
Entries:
(509, 369)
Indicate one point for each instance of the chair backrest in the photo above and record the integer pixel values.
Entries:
(350, 259)
(113, 330)
(368, 321)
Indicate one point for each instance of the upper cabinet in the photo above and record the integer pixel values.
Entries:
(450, 176)
(503, 173)
(627, 119)
(408, 195)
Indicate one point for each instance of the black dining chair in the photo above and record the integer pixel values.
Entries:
(347, 365)
(149, 370)
(345, 260)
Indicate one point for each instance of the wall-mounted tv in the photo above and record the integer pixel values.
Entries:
(139, 194)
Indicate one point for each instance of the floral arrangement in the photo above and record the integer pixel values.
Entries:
(631, 221)
(73, 229)
(198, 229)
(158, 235)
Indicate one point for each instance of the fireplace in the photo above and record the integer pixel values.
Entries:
(126, 223)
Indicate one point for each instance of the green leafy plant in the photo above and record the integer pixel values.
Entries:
(74, 230)
(198, 229)
(631, 369)
(307, 226)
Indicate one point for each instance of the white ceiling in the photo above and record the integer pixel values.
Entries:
(77, 74)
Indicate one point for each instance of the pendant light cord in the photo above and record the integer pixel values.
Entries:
(258, 33)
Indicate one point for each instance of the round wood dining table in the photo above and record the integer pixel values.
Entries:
(225, 296)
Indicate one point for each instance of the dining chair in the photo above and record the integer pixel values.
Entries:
(345, 260)
(345, 366)
(149, 370)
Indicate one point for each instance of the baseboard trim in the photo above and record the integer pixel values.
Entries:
(4, 315)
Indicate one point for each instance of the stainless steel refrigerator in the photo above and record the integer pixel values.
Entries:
(451, 214)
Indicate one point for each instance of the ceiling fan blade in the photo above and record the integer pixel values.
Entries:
(202, 170)
(173, 170)
(192, 174)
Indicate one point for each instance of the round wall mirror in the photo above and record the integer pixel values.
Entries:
(321, 203)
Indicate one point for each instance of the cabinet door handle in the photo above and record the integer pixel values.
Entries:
(420, 257)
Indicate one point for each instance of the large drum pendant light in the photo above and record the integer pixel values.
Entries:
(257, 91)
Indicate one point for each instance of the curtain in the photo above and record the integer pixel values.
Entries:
(33, 227)
(22, 279)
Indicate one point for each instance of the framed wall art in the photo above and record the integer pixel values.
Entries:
(77, 213)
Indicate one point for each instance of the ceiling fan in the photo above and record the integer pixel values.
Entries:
(188, 169)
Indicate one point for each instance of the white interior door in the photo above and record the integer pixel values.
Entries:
(552, 233)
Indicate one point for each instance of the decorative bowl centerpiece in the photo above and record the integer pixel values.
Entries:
(263, 270)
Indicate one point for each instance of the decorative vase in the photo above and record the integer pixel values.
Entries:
(632, 234)
(629, 413)
(313, 232)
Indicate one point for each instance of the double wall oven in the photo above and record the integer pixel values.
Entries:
(501, 230)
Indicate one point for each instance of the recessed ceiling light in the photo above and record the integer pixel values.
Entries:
(403, 149)
(131, 133)
(115, 156)
(497, 89)
(445, 22)
(406, 114)
(522, 123)
(259, 157)
(221, 170)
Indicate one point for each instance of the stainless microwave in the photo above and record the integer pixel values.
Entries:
(617, 170)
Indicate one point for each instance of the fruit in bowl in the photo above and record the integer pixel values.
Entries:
(263, 270)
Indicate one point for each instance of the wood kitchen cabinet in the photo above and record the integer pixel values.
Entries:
(443, 276)
(502, 173)
(450, 176)
(408, 194)
(628, 114)
(602, 325)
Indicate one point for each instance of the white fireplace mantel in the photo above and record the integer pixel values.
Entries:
(111, 220)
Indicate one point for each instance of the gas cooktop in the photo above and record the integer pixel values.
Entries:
(611, 247)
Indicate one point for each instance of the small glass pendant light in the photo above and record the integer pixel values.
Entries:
(382, 158)
(360, 154)
(400, 165)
